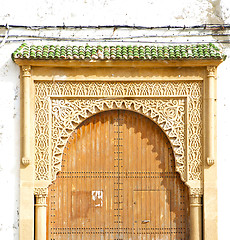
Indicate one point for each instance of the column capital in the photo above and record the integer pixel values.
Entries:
(195, 200)
(41, 192)
(26, 71)
(211, 71)
(40, 197)
(195, 192)
(40, 212)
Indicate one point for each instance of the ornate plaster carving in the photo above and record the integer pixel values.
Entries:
(168, 114)
(175, 106)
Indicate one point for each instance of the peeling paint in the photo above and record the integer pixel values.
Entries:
(215, 13)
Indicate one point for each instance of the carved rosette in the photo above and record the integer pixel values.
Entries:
(175, 106)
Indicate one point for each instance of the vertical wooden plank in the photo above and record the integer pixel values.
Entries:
(115, 174)
(87, 179)
(98, 206)
(132, 164)
(135, 179)
(139, 170)
(79, 188)
(69, 187)
(104, 174)
(157, 183)
(122, 145)
(93, 174)
(86, 193)
(174, 208)
(97, 179)
(104, 182)
(60, 200)
(74, 200)
(128, 202)
(145, 203)
(148, 129)
(167, 188)
(160, 184)
(89, 170)
(110, 169)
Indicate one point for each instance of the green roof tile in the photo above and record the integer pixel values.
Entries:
(149, 52)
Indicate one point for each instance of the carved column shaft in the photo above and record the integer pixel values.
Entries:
(195, 217)
(25, 117)
(40, 214)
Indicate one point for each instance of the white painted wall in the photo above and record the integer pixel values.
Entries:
(102, 12)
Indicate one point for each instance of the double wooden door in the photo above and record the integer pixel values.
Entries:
(118, 181)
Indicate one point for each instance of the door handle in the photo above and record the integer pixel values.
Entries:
(145, 221)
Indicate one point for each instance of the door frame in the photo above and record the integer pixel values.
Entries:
(178, 96)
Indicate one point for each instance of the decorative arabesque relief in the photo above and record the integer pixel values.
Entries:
(68, 114)
(174, 106)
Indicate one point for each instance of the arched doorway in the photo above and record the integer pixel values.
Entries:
(118, 181)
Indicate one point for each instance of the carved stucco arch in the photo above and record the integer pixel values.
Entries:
(168, 114)
(174, 106)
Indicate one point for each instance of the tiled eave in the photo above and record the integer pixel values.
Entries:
(120, 56)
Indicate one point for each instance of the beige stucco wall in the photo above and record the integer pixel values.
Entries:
(103, 12)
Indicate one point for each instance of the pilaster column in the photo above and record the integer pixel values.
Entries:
(210, 98)
(210, 166)
(26, 221)
(25, 115)
(195, 217)
(40, 213)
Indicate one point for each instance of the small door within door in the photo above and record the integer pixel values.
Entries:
(118, 182)
(151, 214)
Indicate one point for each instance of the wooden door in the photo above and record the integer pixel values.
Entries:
(118, 181)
